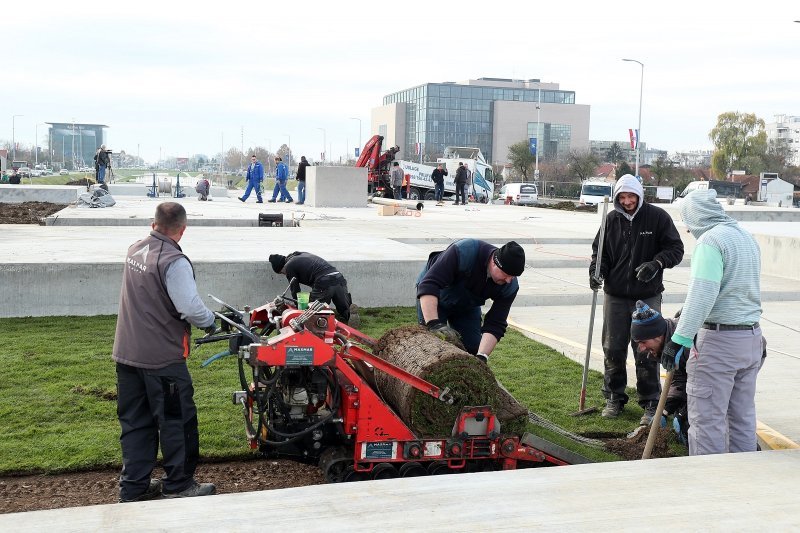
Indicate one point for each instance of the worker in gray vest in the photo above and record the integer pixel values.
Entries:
(158, 305)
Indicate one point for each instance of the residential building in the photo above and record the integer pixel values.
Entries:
(646, 156)
(786, 129)
(488, 113)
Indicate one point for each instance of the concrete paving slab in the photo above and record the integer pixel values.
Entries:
(569, 498)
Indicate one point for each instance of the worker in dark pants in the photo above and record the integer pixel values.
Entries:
(640, 241)
(456, 282)
(327, 284)
(158, 305)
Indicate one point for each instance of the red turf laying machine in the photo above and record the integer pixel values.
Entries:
(312, 397)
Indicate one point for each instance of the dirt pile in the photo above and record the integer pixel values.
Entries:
(632, 448)
(28, 212)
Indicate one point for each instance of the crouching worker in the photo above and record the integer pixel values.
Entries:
(202, 188)
(456, 282)
(158, 305)
(650, 331)
(327, 284)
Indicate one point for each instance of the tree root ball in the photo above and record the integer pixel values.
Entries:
(471, 383)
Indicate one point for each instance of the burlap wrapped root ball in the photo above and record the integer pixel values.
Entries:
(471, 383)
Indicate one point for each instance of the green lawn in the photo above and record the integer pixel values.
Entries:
(57, 402)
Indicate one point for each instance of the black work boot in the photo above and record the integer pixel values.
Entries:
(612, 409)
(195, 489)
(649, 414)
(152, 492)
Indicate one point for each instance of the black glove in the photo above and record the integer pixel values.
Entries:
(647, 271)
(210, 330)
(674, 355)
(482, 357)
(595, 283)
(443, 331)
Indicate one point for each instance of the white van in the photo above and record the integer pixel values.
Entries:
(519, 194)
(727, 191)
(593, 192)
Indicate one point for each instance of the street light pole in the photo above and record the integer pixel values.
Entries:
(639, 130)
(37, 142)
(13, 136)
(359, 132)
(538, 125)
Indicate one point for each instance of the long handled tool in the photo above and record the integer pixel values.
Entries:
(582, 402)
(656, 423)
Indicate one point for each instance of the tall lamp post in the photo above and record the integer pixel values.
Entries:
(37, 141)
(639, 130)
(359, 132)
(538, 125)
(13, 136)
(324, 143)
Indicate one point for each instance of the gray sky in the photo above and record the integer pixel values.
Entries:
(182, 77)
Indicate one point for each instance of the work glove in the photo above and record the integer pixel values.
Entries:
(647, 271)
(443, 331)
(210, 330)
(482, 357)
(595, 283)
(674, 355)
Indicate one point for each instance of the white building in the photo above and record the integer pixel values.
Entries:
(786, 129)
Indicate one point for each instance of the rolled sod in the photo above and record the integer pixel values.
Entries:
(471, 383)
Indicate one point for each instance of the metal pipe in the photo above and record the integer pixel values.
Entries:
(405, 203)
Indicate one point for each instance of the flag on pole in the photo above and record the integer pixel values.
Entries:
(417, 148)
(633, 140)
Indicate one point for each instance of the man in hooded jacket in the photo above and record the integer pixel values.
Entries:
(718, 336)
(640, 242)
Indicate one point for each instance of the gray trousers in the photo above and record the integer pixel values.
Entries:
(721, 388)
(156, 406)
(616, 340)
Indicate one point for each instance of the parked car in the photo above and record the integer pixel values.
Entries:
(63, 172)
(519, 193)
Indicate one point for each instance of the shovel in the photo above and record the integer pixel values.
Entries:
(582, 410)
(654, 425)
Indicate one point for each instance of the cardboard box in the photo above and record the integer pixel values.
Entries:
(386, 210)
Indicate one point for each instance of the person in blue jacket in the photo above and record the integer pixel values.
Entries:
(255, 175)
(281, 175)
(456, 282)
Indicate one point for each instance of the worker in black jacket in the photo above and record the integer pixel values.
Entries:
(437, 176)
(327, 284)
(640, 242)
(456, 282)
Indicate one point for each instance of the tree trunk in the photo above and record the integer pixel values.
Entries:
(471, 383)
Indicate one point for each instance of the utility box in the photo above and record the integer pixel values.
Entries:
(270, 220)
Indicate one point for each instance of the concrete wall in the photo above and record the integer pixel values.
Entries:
(88, 289)
(336, 187)
(56, 194)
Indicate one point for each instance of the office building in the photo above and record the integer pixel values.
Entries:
(488, 113)
(73, 145)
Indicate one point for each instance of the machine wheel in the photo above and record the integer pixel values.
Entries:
(437, 468)
(412, 469)
(351, 475)
(430, 195)
(384, 471)
(413, 194)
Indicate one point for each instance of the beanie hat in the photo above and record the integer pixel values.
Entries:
(277, 261)
(510, 258)
(646, 323)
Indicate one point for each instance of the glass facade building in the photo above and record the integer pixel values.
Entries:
(449, 114)
(74, 145)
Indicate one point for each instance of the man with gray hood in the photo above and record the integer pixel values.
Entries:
(718, 335)
(640, 242)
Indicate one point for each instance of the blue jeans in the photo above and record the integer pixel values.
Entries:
(280, 186)
(301, 192)
(438, 192)
(250, 187)
(101, 174)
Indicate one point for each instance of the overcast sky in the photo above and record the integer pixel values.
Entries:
(182, 78)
